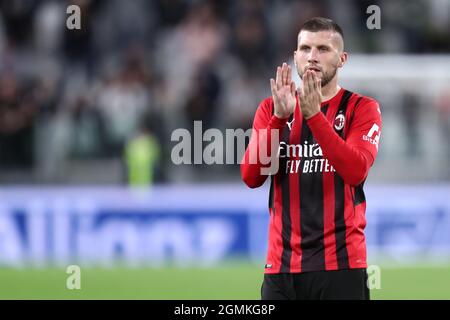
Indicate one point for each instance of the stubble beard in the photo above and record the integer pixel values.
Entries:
(326, 76)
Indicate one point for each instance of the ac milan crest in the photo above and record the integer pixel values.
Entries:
(339, 122)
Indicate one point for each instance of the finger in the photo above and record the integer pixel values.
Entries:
(314, 82)
(319, 89)
(278, 78)
(303, 90)
(293, 88)
(284, 74)
(301, 96)
(273, 87)
(289, 75)
(311, 82)
(318, 86)
(305, 86)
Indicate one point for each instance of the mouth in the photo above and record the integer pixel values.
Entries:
(316, 69)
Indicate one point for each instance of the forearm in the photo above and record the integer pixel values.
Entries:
(256, 160)
(350, 162)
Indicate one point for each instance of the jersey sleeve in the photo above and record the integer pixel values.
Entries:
(353, 157)
(266, 130)
(365, 130)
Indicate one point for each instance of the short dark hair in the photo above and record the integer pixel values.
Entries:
(321, 24)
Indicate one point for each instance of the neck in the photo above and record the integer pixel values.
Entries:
(330, 90)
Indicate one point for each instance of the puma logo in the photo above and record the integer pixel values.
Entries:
(290, 124)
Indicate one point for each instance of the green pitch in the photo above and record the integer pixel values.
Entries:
(231, 281)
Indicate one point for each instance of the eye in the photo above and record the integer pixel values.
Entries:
(323, 49)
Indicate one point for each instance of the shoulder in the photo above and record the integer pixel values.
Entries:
(363, 103)
(266, 106)
(266, 103)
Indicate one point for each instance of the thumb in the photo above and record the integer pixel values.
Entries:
(300, 92)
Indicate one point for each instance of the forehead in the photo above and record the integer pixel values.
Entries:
(329, 38)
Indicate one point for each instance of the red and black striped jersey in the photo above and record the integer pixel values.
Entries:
(316, 202)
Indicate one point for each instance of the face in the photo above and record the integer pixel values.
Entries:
(320, 51)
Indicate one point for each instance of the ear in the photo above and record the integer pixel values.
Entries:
(342, 59)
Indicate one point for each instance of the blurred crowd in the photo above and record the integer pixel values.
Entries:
(103, 100)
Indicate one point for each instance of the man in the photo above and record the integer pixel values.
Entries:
(325, 139)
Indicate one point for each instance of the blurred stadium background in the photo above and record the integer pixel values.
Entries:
(86, 118)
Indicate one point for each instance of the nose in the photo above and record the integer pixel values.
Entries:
(313, 56)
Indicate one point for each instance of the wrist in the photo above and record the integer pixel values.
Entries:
(277, 123)
(309, 116)
(315, 118)
(281, 117)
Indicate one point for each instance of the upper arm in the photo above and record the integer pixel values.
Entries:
(263, 115)
(365, 128)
